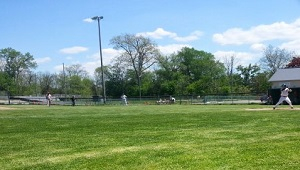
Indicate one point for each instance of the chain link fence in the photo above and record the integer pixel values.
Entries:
(146, 100)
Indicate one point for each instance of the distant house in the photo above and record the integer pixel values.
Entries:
(290, 77)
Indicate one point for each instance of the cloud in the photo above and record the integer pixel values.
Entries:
(242, 58)
(69, 58)
(258, 47)
(43, 60)
(292, 46)
(107, 56)
(160, 33)
(90, 67)
(88, 20)
(172, 48)
(192, 37)
(59, 68)
(260, 33)
(73, 50)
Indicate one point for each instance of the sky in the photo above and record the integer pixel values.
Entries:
(60, 32)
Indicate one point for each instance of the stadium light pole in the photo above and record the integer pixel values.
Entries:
(102, 74)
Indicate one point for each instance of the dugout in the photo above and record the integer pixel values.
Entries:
(290, 77)
(294, 95)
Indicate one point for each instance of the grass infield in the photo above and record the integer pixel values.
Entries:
(149, 137)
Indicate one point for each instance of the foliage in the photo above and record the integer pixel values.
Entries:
(5, 81)
(253, 80)
(294, 63)
(13, 64)
(192, 71)
(140, 69)
(116, 79)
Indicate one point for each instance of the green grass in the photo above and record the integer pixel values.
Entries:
(149, 137)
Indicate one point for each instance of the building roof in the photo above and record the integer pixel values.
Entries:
(287, 74)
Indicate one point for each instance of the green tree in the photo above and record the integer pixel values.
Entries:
(260, 83)
(87, 87)
(14, 63)
(201, 68)
(248, 73)
(77, 81)
(253, 79)
(98, 80)
(167, 74)
(190, 72)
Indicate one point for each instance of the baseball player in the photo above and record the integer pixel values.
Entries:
(124, 99)
(49, 98)
(284, 96)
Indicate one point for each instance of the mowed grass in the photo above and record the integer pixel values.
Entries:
(149, 137)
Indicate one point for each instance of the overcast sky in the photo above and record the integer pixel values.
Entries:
(61, 31)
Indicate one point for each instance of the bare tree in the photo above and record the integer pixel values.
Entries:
(230, 63)
(139, 52)
(76, 70)
(275, 58)
(46, 81)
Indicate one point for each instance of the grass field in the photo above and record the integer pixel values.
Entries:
(149, 137)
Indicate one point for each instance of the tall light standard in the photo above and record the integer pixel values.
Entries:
(102, 74)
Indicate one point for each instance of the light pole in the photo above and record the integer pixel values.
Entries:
(102, 74)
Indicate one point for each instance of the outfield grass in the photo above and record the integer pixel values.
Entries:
(149, 137)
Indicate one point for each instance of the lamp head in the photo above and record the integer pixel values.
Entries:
(97, 17)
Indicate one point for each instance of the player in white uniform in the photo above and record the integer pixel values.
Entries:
(124, 99)
(49, 98)
(284, 96)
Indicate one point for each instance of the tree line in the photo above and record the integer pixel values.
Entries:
(141, 70)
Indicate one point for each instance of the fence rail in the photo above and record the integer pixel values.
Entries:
(209, 99)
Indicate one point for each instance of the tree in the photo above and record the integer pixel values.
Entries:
(167, 74)
(76, 70)
(27, 83)
(98, 79)
(275, 58)
(116, 78)
(201, 68)
(190, 71)
(5, 81)
(260, 83)
(252, 79)
(46, 81)
(76, 81)
(295, 63)
(139, 53)
(248, 73)
(230, 64)
(13, 63)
